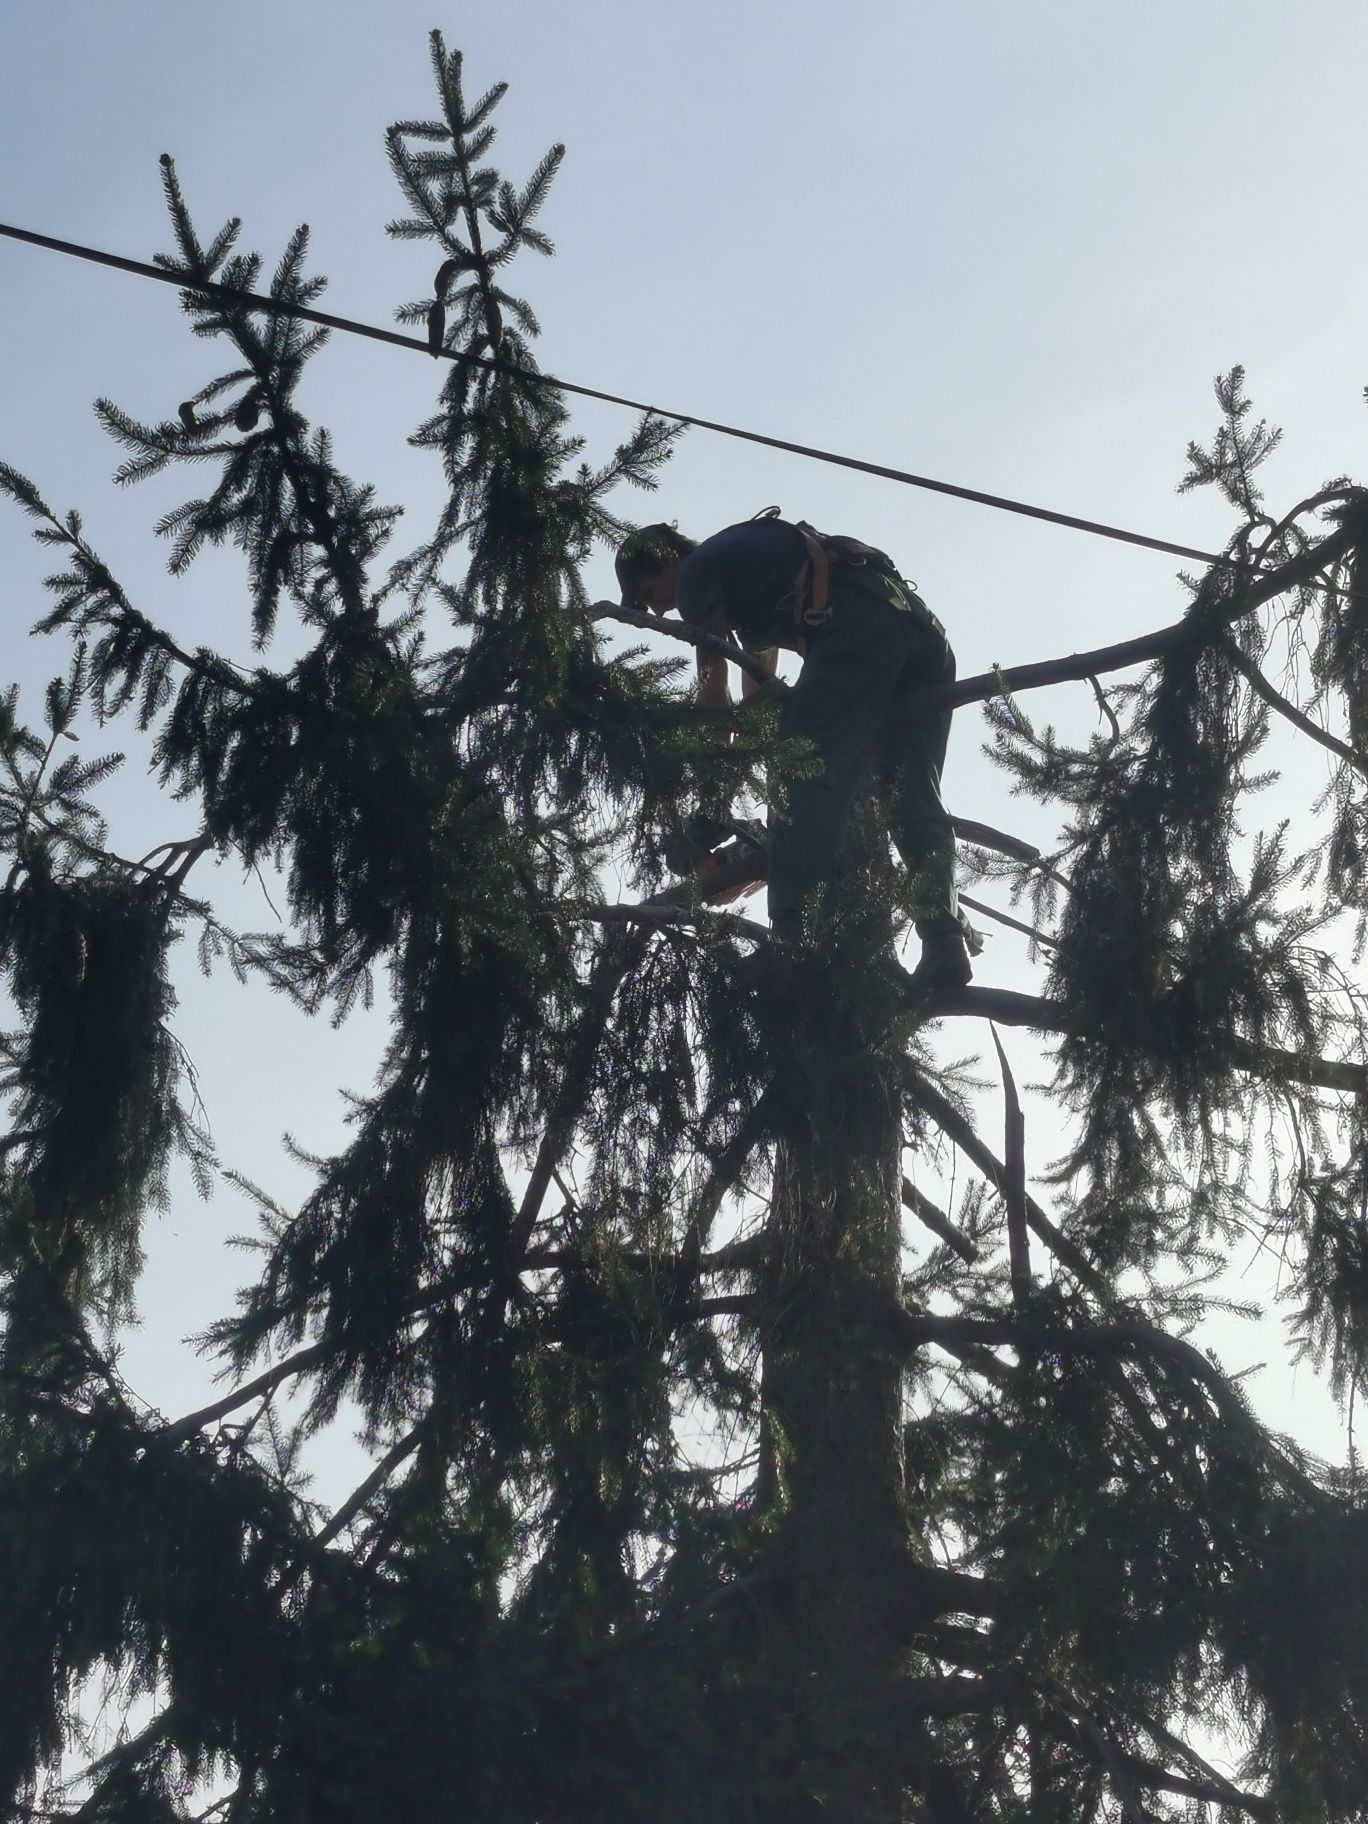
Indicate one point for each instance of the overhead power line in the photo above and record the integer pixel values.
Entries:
(252, 300)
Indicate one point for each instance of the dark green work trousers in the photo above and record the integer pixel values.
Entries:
(846, 702)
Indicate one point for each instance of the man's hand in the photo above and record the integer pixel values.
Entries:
(769, 658)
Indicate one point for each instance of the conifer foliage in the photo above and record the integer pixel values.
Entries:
(973, 1531)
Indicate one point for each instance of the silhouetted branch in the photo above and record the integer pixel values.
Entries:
(1005, 918)
(373, 1483)
(1009, 1008)
(956, 1127)
(1261, 687)
(264, 1383)
(938, 1222)
(1014, 1180)
(1121, 1335)
(690, 636)
(1078, 667)
(662, 917)
(613, 962)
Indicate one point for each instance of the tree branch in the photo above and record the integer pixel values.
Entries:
(738, 864)
(1005, 918)
(691, 636)
(1215, 1791)
(957, 1695)
(726, 1170)
(1105, 1753)
(613, 962)
(373, 1483)
(1014, 1185)
(1078, 667)
(958, 1128)
(1119, 1335)
(180, 1429)
(1009, 1008)
(663, 917)
(938, 1222)
(1230, 1794)
(1261, 687)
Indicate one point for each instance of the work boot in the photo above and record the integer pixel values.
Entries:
(944, 962)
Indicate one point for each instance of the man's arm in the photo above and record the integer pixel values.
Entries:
(713, 687)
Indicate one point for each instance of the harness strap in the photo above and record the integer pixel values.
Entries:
(812, 591)
(871, 570)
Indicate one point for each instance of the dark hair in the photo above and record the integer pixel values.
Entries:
(646, 552)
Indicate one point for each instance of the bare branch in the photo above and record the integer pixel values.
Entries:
(938, 1222)
(691, 636)
(957, 1127)
(1261, 687)
(373, 1483)
(1009, 1008)
(1230, 1794)
(1014, 1185)
(1104, 704)
(265, 1383)
(1005, 918)
(1078, 667)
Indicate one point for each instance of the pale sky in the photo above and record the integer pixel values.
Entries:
(1007, 245)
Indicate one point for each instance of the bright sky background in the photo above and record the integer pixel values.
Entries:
(1002, 244)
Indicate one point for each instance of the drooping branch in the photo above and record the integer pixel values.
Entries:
(737, 1256)
(1121, 1335)
(613, 962)
(120, 610)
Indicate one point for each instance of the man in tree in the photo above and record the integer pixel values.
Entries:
(866, 639)
(700, 1491)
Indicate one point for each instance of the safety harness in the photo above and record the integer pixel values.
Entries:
(811, 592)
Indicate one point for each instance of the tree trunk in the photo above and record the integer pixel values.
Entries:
(832, 1398)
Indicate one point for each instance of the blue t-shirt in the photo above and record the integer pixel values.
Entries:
(749, 572)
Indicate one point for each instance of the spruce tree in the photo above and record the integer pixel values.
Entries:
(981, 1534)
